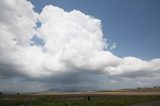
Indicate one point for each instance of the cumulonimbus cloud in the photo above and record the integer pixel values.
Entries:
(73, 42)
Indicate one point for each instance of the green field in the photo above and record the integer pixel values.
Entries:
(52, 100)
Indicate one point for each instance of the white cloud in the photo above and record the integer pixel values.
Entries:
(134, 67)
(73, 44)
(113, 46)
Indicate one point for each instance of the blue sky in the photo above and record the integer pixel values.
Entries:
(133, 24)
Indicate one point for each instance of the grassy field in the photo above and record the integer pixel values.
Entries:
(74, 100)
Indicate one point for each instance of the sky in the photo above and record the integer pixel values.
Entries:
(68, 45)
(124, 23)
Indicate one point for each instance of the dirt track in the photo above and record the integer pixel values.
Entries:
(133, 93)
(153, 103)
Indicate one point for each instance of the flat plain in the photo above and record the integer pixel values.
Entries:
(101, 98)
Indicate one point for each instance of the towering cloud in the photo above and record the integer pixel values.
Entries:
(73, 50)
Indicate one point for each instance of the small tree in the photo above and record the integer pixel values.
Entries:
(88, 98)
(1, 93)
(18, 93)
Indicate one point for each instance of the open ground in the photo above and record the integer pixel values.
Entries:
(102, 98)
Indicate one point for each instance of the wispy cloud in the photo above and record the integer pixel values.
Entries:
(113, 46)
